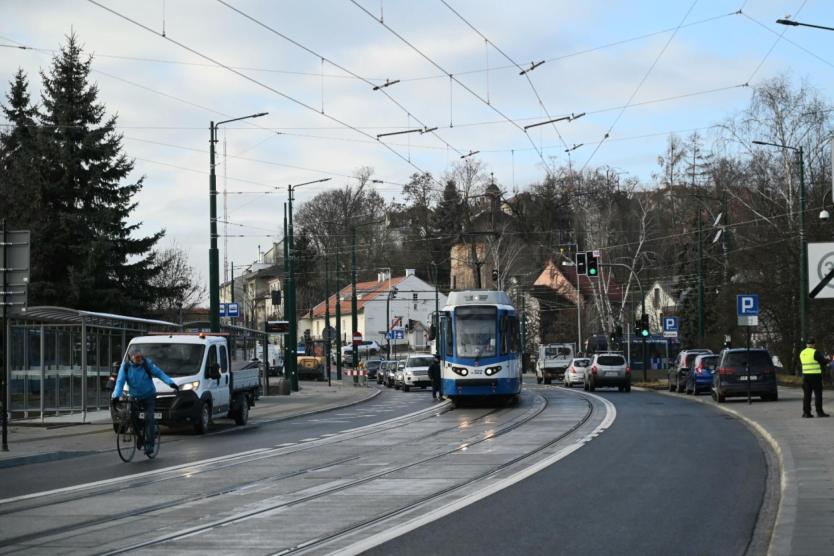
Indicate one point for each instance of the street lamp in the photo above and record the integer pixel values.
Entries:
(803, 255)
(214, 270)
(792, 23)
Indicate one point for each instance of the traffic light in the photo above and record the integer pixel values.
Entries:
(593, 264)
(494, 274)
(637, 326)
(582, 264)
(644, 326)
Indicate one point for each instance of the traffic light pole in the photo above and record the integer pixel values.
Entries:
(643, 310)
(327, 316)
(293, 320)
(338, 319)
(354, 317)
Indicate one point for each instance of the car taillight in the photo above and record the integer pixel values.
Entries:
(628, 370)
(725, 371)
(594, 369)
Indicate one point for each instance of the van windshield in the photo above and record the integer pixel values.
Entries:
(175, 359)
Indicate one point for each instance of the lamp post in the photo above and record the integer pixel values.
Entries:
(792, 23)
(436, 311)
(214, 258)
(293, 316)
(803, 254)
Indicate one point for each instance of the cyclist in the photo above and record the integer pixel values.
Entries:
(138, 371)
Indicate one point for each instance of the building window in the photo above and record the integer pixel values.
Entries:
(656, 298)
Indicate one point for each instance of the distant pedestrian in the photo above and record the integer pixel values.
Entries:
(434, 376)
(813, 362)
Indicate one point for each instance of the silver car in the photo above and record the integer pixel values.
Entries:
(608, 369)
(575, 373)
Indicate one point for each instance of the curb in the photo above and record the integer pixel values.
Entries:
(787, 493)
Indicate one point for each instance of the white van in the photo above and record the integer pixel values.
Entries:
(554, 359)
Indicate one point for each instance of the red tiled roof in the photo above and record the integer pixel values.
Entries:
(367, 290)
(550, 278)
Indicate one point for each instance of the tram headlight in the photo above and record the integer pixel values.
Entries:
(462, 371)
(492, 370)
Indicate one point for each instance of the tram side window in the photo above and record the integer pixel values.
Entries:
(515, 338)
(506, 334)
(450, 345)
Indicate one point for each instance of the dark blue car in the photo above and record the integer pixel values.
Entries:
(700, 379)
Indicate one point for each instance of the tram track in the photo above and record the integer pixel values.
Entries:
(213, 467)
(464, 445)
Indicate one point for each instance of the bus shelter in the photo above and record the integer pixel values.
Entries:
(60, 359)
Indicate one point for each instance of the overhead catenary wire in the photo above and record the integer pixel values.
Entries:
(255, 81)
(459, 82)
(639, 85)
(773, 46)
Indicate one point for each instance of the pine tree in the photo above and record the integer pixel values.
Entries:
(19, 192)
(85, 254)
(447, 228)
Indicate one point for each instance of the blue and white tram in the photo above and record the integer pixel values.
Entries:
(480, 345)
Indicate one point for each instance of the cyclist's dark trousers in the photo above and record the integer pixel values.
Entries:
(811, 383)
(148, 405)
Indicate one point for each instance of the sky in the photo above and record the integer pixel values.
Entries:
(676, 66)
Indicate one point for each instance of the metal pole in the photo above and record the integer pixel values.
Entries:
(354, 317)
(338, 318)
(436, 312)
(523, 331)
(233, 282)
(214, 271)
(3, 343)
(803, 260)
(578, 310)
(642, 310)
(700, 278)
(388, 321)
(747, 367)
(286, 294)
(327, 316)
(293, 324)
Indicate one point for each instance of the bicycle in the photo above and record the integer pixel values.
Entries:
(128, 419)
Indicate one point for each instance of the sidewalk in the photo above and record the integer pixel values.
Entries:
(805, 448)
(63, 436)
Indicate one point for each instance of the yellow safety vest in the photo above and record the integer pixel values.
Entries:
(810, 366)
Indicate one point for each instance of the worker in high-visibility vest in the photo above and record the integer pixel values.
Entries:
(813, 362)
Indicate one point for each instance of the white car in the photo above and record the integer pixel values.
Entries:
(575, 373)
(416, 371)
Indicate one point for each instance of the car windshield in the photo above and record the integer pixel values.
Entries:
(372, 364)
(419, 361)
(581, 362)
(738, 359)
(611, 360)
(475, 331)
(175, 359)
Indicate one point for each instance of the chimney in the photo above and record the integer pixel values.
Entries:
(409, 272)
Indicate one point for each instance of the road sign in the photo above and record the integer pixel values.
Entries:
(747, 309)
(395, 334)
(233, 310)
(277, 326)
(14, 271)
(820, 264)
(223, 310)
(357, 338)
(671, 326)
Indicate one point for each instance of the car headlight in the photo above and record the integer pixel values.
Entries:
(190, 386)
(492, 370)
(462, 371)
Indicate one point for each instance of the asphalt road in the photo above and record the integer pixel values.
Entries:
(669, 477)
(183, 446)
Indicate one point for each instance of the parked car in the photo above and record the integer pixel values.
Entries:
(700, 379)
(383, 370)
(731, 378)
(416, 371)
(680, 371)
(373, 367)
(391, 374)
(575, 373)
(553, 361)
(608, 369)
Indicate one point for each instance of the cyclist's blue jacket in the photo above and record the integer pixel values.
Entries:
(140, 384)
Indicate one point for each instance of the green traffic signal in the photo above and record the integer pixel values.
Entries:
(592, 272)
(644, 333)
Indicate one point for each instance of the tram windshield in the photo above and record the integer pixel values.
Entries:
(475, 331)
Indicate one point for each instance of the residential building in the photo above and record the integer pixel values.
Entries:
(412, 308)
(659, 303)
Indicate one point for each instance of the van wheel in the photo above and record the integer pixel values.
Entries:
(591, 386)
(548, 380)
(406, 388)
(720, 397)
(585, 385)
(538, 379)
(242, 415)
(204, 419)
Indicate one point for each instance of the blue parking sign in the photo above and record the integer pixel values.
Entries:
(747, 305)
(670, 324)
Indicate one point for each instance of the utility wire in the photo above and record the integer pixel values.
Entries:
(770, 50)
(384, 91)
(456, 80)
(256, 82)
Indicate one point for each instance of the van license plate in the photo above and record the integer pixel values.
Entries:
(156, 415)
(611, 373)
(743, 378)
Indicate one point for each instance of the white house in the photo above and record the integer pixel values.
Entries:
(411, 307)
(659, 303)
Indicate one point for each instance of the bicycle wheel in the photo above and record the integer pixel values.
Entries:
(126, 443)
(156, 441)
